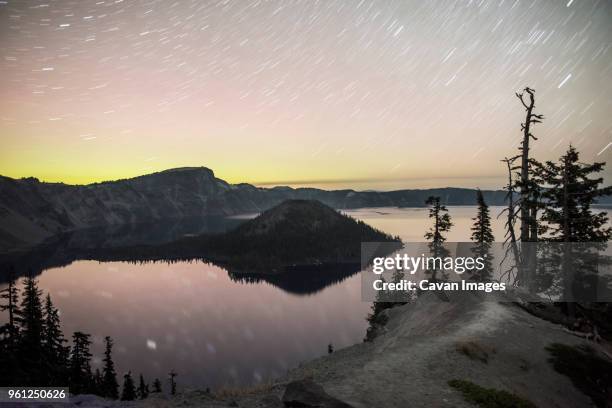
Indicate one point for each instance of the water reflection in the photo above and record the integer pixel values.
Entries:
(212, 326)
(92, 243)
(301, 281)
(195, 318)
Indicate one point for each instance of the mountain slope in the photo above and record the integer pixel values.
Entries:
(295, 232)
(31, 211)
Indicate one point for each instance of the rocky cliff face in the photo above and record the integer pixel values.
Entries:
(31, 211)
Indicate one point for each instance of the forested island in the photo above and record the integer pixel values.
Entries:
(296, 234)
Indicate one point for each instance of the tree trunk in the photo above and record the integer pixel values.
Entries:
(525, 202)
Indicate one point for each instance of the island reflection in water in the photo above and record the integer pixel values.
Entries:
(193, 317)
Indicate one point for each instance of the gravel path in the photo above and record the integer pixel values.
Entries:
(410, 365)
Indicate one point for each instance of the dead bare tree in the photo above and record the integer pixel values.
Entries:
(528, 203)
(529, 191)
(512, 213)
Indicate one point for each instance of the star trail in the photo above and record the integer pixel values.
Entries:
(370, 94)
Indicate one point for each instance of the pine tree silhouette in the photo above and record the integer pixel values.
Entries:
(9, 297)
(31, 353)
(483, 237)
(481, 230)
(442, 220)
(157, 386)
(143, 388)
(55, 350)
(33, 349)
(442, 224)
(11, 372)
(110, 386)
(376, 318)
(572, 189)
(80, 364)
(129, 390)
(570, 195)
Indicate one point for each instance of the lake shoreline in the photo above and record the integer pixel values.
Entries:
(191, 287)
(469, 336)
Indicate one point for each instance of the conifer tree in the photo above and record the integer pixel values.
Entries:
(9, 297)
(55, 351)
(110, 387)
(441, 224)
(384, 300)
(157, 386)
(441, 218)
(32, 326)
(376, 319)
(482, 236)
(11, 372)
(143, 388)
(572, 189)
(80, 364)
(481, 230)
(129, 390)
(571, 192)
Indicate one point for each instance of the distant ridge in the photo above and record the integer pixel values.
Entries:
(31, 210)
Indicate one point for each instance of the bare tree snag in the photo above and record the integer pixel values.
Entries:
(528, 213)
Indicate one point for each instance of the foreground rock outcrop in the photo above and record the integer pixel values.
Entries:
(487, 341)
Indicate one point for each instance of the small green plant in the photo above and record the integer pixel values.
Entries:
(489, 397)
(588, 372)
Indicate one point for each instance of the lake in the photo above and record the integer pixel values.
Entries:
(214, 330)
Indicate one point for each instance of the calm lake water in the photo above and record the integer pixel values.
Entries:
(212, 330)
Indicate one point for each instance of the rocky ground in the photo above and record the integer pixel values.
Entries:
(426, 344)
(487, 341)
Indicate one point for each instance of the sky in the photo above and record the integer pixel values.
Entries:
(337, 93)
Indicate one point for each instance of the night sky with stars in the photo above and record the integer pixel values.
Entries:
(337, 93)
